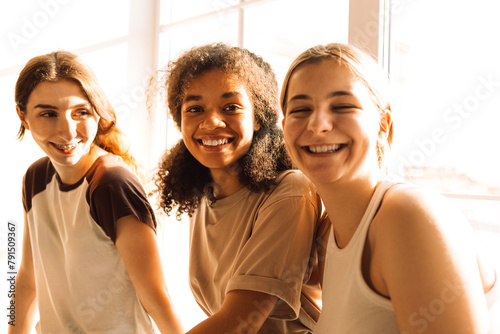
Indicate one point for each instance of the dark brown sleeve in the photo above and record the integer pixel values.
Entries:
(115, 193)
(38, 175)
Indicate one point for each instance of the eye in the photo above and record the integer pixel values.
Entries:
(193, 110)
(83, 112)
(343, 108)
(299, 111)
(48, 114)
(232, 108)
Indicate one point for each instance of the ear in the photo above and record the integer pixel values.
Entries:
(385, 126)
(256, 126)
(20, 114)
(283, 122)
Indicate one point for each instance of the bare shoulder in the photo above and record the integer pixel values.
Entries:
(426, 230)
(411, 197)
(422, 244)
(426, 208)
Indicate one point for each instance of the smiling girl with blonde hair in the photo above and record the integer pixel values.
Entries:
(400, 259)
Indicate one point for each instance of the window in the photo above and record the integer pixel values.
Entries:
(445, 71)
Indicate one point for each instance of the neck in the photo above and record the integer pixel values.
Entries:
(346, 203)
(226, 182)
(73, 174)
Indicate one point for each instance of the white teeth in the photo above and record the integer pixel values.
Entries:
(66, 147)
(214, 142)
(324, 148)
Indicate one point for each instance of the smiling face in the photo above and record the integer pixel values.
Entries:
(64, 125)
(217, 121)
(331, 124)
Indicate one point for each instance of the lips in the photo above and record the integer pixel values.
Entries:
(323, 148)
(215, 142)
(65, 148)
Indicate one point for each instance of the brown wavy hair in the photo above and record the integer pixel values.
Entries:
(181, 180)
(63, 65)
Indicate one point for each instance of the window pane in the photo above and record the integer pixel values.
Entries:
(446, 80)
(280, 30)
(445, 71)
(38, 27)
(216, 28)
(178, 10)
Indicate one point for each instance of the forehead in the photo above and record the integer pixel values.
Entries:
(324, 77)
(328, 70)
(216, 79)
(56, 92)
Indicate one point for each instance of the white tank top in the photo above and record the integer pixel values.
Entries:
(349, 304)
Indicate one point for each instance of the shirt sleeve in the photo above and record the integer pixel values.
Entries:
(115, 193)
(277, 256)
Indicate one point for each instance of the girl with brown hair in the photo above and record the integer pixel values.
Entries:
(90, 259)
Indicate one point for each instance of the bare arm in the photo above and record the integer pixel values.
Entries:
(242, 311)
(428, 265)
(137, 245)
(25, 290)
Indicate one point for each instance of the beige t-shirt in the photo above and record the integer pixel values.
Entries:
(261, 242)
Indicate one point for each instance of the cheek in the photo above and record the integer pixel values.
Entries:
(245, 129)
(90, 129)
(290, 142)
(250, 125)
(290, 130)
(42, 129)
(374, 130)
(286, 137)
(185, 131)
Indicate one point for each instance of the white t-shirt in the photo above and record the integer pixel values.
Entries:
(82, 285)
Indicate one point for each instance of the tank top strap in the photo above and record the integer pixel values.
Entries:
(372, 210)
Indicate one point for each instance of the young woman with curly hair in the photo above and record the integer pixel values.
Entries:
(253, 218)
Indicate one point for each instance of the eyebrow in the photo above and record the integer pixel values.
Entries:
(330, 95)
(49, 106)
(45, 106)
(190, 98)
(231, 94)
(227, 95)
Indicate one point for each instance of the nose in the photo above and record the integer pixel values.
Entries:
(320, 121)
(212, 121)
(67, 128)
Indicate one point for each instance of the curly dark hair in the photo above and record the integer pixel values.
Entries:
(183, 181)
